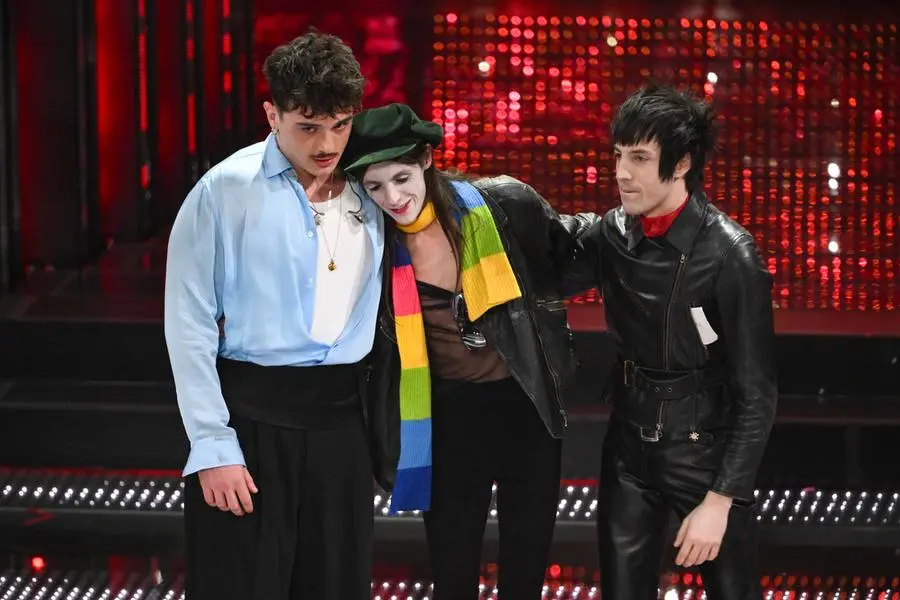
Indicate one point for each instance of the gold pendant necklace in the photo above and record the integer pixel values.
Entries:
(320, 219)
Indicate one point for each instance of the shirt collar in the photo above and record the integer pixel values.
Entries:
(683, 231)
(274, 162)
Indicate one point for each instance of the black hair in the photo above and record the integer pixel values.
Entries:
(678, 121)
(316, 73)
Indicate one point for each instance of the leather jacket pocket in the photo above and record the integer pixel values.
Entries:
(708, 410)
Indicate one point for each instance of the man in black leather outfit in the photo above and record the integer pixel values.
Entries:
(688, 301)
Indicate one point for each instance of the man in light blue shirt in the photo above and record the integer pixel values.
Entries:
(272, 290)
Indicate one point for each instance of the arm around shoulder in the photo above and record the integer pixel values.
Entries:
(573, 245)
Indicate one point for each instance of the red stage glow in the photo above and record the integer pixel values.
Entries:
(189, 55)
(807, 159)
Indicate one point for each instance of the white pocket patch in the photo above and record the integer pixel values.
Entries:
(708, 335)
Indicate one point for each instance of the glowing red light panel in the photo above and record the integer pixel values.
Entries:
(809, 112)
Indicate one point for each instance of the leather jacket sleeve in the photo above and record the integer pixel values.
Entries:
(590, 237)
(382, 390)
(383, 411)
(575, 268)
(743, 291)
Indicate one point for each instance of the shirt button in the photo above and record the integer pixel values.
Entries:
(309, 233)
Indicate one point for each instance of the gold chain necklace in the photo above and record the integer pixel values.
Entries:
(320, 219)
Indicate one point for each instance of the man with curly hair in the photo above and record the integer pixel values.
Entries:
(272, 290)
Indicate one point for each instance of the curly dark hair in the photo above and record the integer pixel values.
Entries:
(680, 122)
(316, 73)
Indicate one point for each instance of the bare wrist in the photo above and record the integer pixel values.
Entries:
(718, 500)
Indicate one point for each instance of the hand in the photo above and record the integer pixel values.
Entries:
(701, 532)
(229, 488)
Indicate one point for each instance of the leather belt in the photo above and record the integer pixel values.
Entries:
(651, 434)
(669, 385)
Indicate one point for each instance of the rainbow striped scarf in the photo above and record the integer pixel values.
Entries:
(487, 281)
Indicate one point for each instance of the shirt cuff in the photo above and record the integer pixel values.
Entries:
(214, 452)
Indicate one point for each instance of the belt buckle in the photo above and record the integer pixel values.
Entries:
(653, 436)
(630, 370)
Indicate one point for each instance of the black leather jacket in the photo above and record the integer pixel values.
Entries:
(531, 333)
(649, 286)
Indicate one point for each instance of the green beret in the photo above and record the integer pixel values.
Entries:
(387, 133)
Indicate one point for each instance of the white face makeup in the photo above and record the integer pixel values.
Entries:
(398, 188)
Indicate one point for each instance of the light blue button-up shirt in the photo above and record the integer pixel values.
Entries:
(245, 245)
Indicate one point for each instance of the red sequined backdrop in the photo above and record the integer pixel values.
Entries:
(808, 153)
(374, 32)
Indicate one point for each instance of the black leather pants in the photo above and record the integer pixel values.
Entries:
(640, 484)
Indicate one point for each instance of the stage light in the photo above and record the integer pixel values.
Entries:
(834, 170)
(767, 175)
(834, 247)
(38, 563)
(577, 501)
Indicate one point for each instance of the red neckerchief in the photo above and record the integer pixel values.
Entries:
(659, 226)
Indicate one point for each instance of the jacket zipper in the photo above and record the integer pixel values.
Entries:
(661, 408)
(668, 323)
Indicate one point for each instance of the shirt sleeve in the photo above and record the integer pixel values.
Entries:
(193, 292)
